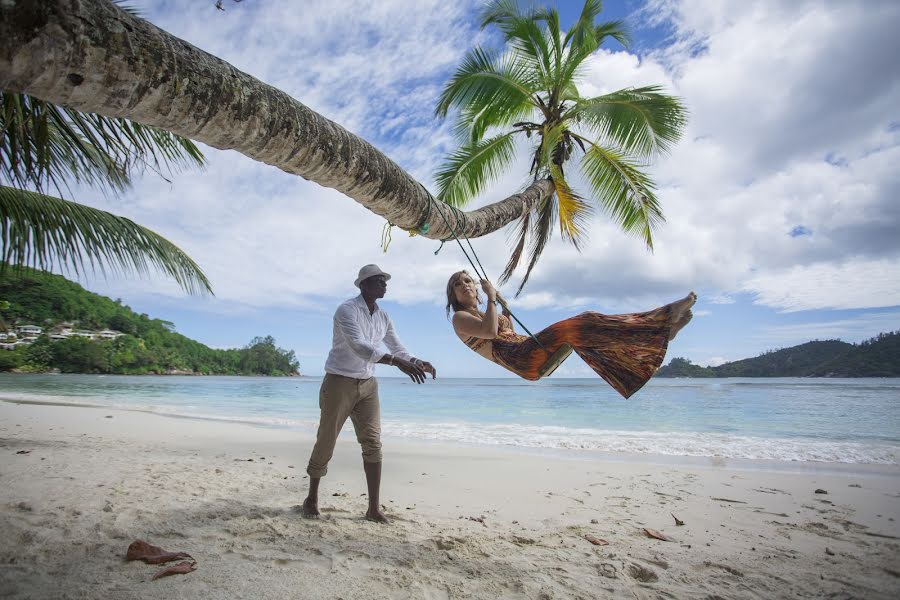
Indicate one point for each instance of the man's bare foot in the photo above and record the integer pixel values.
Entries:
(310, 509)
(681, 314)
(377, 516)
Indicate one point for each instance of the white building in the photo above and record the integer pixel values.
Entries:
(29, 330)
(109, 334)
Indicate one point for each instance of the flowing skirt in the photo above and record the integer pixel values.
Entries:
(625, 350)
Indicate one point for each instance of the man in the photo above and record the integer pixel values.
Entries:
(350, 388)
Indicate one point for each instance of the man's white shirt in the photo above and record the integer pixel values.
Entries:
(355, 346)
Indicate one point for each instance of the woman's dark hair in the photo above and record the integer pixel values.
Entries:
(451, 294)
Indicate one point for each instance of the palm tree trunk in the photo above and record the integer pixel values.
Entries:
(94, 57)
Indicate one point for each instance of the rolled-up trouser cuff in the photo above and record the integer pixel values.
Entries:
(316, 473)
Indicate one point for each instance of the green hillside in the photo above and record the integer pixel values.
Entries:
(147, 346)
(877, 357)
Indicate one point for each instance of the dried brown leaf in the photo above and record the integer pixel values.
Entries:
(595, 540)
(179, 569)
(656, 534)
(150, 554)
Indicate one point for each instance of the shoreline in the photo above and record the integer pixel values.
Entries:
(583, 454)
(468, 522)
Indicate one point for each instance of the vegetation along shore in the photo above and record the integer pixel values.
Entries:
(51, 324)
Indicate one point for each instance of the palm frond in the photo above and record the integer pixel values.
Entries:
(583, 31)
(617, 30)
(464, 174)
(489, 93)
(483, 79)
(498, 12)
(553, 35)
(42, 144)
(574, 212)
(641, 121)
(624, 192)
(522, 32)
(522, 228)
(525, 36)
(45, 232)
(541, 232)
(585, 43)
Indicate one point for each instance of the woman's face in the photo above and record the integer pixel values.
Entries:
(466, 290)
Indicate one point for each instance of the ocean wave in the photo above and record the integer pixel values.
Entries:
(693, 444)
(680, 443)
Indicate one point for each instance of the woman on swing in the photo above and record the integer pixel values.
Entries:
(625, 350)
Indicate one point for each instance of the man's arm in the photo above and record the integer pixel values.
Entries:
(400, 357)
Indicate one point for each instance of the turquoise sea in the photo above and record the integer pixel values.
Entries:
(833, 420)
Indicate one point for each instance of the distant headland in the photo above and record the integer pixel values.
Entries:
(876, 357)
(50, 324)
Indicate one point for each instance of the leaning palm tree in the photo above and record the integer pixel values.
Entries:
(47, 147)
(527, 91)
(93, 56)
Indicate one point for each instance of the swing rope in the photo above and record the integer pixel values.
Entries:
(482, 274)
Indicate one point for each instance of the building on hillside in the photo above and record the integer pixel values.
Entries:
(29, 330)
(109, 334)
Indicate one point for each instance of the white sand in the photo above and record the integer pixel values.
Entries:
(90, 485)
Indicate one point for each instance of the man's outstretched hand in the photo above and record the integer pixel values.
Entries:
(428, 368)
(415, 369)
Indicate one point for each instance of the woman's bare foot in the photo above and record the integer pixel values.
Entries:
(310, 509)
(681, 314)
(377, 516)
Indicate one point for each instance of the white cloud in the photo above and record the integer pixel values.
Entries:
(852, 284)
(852, 329)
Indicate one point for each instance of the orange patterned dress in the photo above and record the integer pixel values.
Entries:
(625, 350)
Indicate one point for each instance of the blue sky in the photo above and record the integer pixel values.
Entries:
(781, 199)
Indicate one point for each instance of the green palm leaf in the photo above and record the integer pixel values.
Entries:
(583, 31)
(466, 171)
(42, 145)
(490, 92)
(44, 232)
(640, 121)
(624, 192)
(522, 31)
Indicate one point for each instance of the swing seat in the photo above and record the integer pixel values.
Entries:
(555, 359)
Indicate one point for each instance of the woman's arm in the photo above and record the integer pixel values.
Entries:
(469, 325)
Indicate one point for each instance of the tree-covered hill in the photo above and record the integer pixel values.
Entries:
(877, 357)
(148, 346)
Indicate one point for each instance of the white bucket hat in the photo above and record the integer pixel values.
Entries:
(370, 271)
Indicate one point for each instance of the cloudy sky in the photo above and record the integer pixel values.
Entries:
(781, 199)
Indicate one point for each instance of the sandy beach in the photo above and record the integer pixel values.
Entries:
(79, 484)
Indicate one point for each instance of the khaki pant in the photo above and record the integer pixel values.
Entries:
(341, 397)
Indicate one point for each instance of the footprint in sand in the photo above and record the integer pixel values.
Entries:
(607, 570)
(642, 574)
